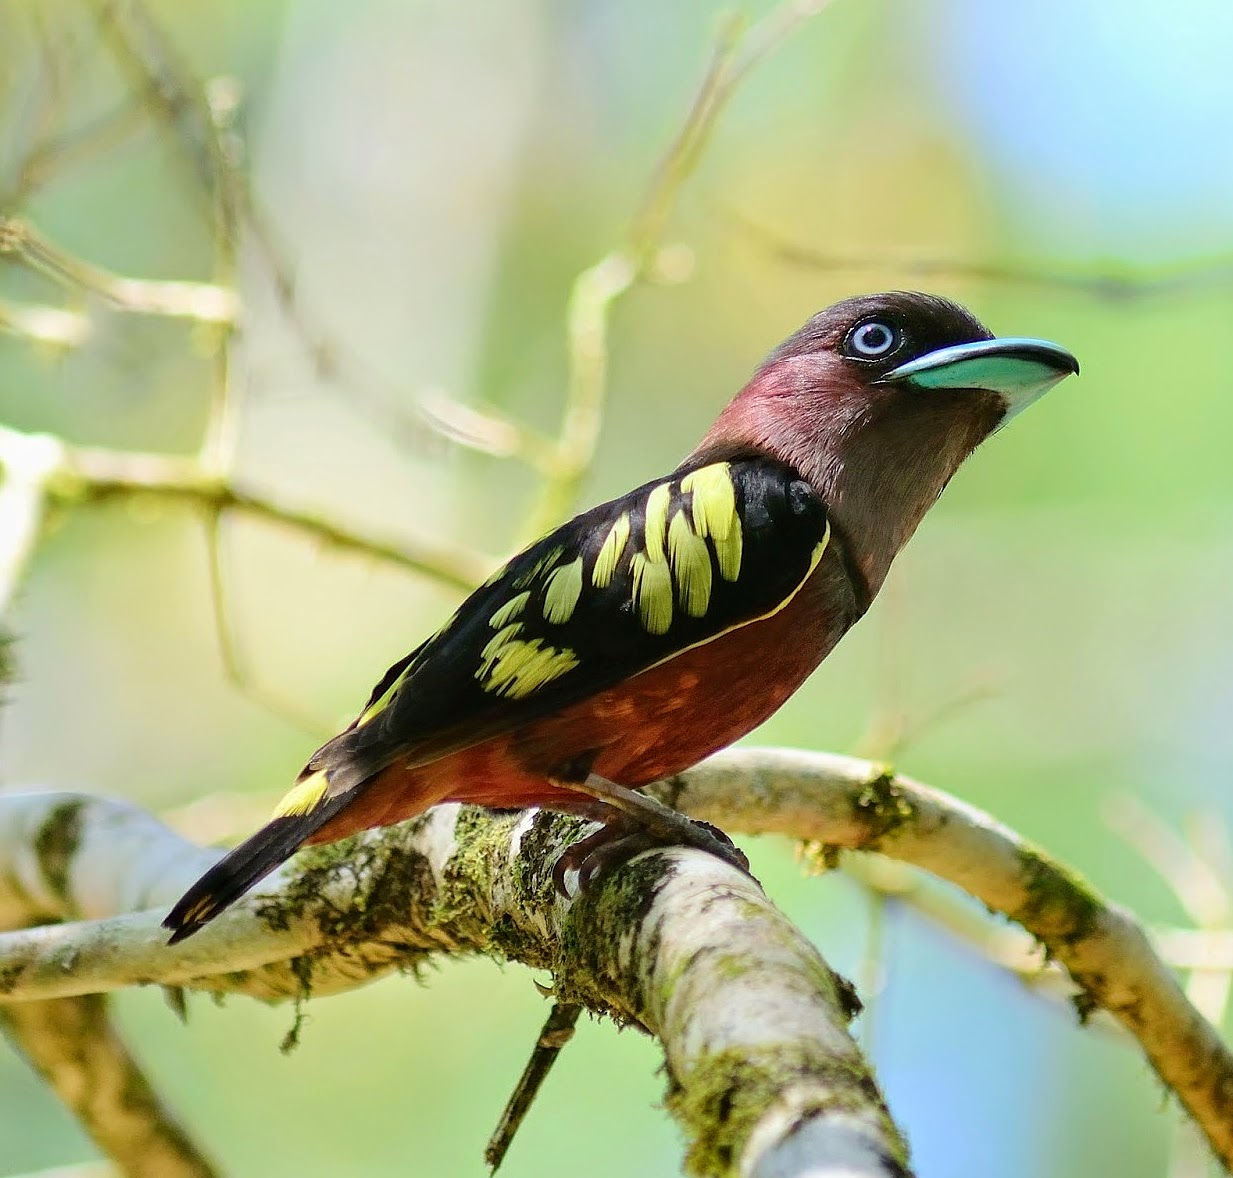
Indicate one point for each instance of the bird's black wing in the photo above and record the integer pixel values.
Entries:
(622, 587)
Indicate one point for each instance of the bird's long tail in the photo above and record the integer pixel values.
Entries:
(300, 815)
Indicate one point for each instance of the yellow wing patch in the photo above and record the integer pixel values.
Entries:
(676, 553)
(511, 611)
(610, 552)
(691, 565)
(714, 499)
(380, 705)
(715, 515)
(728, 553)
(303, 798)
(657, 521)
(533, 573)
(516, 667)
(652, 593)
(561, 592)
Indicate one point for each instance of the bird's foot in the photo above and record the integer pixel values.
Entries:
(621, 838)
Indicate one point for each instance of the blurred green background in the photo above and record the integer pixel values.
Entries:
(1057, 636)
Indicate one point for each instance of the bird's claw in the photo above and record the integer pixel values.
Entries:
(620, 840)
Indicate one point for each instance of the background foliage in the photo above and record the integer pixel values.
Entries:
(1054, 644)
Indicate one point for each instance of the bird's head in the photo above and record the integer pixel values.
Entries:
(877, 400)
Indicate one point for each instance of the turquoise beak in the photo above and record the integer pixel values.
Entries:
(1019, 370)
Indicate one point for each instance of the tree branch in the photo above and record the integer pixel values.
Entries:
(1122, 285)
(468, 881)
(762, 1072)
(77, 475)
(202, 302)
(836, 802)
(72, 1044)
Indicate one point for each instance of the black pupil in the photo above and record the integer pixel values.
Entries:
(873, 337)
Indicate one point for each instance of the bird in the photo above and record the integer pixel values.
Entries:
(652, 630)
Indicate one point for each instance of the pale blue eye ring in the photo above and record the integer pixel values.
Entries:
(872, 340)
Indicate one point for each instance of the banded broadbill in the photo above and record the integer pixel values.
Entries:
(652, 630)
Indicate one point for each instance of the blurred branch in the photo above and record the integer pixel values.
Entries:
(1116, 286)
(401, 909)
(55, 153)
(29, 461)
(200, 117)
(485, 430)
(50, 326)
(677, 943)
(200, 301)
(598, 289)
(1196, 871)
(230, 652)
(71, 476)
(168, 88)
(73, 1045)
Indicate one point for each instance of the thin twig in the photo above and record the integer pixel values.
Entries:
(169, 89)
(202, 302)
(485, 430)
(226, 639)
(179, 100)
(1115, 286)
(57, 153)
(558, 1030)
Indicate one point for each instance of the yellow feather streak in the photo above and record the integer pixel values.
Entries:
(714, 505)
(516, 667)
(562, 590)
(610, 553)
(303, 798)
(728, 553)
(715, 515)
(510, 611)
(657, 521)
(691, 565)
(200, 912)
(652, 593)
(546, 561)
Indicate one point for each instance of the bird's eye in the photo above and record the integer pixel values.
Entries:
(870, 340)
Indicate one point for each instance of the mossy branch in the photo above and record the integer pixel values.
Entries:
(466, 881)
(752, 1021)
